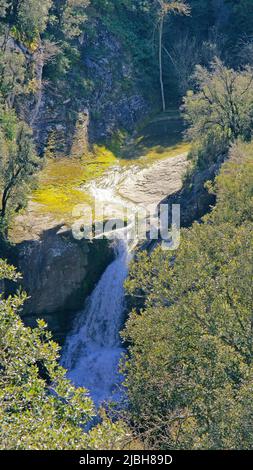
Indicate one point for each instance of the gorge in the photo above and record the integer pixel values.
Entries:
(93, 350)
(126, 210)
(77, 286)
(89, 323)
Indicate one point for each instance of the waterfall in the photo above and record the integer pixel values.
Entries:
(93, 350)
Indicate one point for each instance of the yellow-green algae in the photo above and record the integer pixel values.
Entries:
(158, 152)
(59, 189)
(61, 181)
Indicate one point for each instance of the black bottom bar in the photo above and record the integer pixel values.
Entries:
(133, 459)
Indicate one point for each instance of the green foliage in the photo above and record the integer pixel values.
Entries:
(39, 408)
(8, 272)
(18, 162)
(134, 23)
(189, 371)
(220, 110)
(12, 75)
(33, 16)
(234, 187)
(69, 16)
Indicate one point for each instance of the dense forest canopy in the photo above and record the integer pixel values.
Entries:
(188, 370)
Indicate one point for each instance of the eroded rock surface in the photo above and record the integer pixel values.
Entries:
(59, 273)
(153, 184)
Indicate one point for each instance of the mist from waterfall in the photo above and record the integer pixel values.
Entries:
(93, 350)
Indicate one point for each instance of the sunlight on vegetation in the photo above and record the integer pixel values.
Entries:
(125, 104)
(61, 181)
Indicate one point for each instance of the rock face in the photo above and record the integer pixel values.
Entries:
(116, 102)
(194, 198)
(152, 185)
(111, 99)
(58, 274)
(69, 110)
(81, 139)
(58, 271)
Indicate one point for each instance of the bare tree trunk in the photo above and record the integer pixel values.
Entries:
(4, 204)
(161, 63)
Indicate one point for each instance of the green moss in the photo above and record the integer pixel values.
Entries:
(159, 152)
(158, 138)
(59, 189)
(61, 182)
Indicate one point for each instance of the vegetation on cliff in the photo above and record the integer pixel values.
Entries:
(219, 111)
(55, 45)
(189, 366)
(189, 370)
(39, 408)
(18, 164)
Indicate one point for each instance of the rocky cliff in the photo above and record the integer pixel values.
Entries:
(59, 273)
(99, 94)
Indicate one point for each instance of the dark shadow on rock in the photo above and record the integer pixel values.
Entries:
(194, 199)
(157, 135)
(59, 273)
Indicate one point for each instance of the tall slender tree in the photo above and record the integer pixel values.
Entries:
(164, 9)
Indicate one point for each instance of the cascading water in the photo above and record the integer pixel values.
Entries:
(93, 350)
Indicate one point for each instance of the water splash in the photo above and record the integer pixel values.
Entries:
(93, 350)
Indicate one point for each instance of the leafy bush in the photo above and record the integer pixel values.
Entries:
(39, 408)
(18, 163)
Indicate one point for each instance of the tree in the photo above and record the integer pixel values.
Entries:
(70, 15)
(164, 9)
(30, 17)
(189, 371)
(220, 110)
(12, 75)
(184, 55)
(18, 162)
(39, 408)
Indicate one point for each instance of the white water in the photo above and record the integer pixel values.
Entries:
(92, 352)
